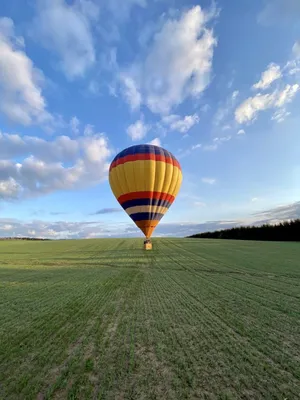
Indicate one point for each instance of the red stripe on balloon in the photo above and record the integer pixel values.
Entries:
(146, 195)
(144, 157)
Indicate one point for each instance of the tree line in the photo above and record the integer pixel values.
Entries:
(285, 231)
(21, 238)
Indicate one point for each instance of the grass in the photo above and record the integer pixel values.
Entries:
(193, 319)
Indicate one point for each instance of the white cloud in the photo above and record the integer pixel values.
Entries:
(16, 146)
(254, 199)
(293, 67)
(131, 91)
(6, 227)
(74, 124)
(155, 142)
(9, 188)
(296, 49)
(7, 29)
(91, 229)
(241, 132)
(21, 97)
(209, 181)
(222, 139)
(250, 108)
(45, 167)
(66, 30)
(286, 95)
(196, 146)
(235, 94)
(272, 73)
(280, 115)
(138, 130)
(178, 63)
(176, 123)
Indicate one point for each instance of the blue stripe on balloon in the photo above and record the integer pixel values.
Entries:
(144, 149)
(146, 216)
(145, 202)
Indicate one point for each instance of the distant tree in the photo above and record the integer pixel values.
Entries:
(284, 231)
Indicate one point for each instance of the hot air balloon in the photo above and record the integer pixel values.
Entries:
(145, 179)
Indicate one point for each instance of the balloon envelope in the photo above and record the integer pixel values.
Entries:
(145, 179)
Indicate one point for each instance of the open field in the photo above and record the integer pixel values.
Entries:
(193, 319)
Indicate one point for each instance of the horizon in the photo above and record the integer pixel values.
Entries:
(215, 84)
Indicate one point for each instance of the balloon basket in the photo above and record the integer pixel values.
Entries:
(147, 245)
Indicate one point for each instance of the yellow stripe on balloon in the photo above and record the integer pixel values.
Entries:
(130, 177)
(160, 172)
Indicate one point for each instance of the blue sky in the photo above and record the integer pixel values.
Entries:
(215, 83)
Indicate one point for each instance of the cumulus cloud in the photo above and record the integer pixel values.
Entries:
(170, 73)
(21, 97)
(277, 99)
(241, 132)
(251, 107)
(61, 148)
(182, 125)
(270, 75)
(9, 188)
(155, 142)
(286, 95)
(209, 181)
(48, 166)
(66, 30)
(138, 130)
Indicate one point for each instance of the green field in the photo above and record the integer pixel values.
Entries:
(193, 319)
